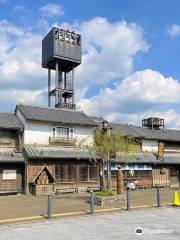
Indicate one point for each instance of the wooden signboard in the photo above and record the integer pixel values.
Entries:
(161, 150)
(43, 189)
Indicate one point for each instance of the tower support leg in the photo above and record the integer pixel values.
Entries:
(49, 87)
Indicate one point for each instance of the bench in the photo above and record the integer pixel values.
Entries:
(9, 192)
(59, 191)
(94, 189)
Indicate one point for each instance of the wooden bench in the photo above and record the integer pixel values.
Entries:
(59, 191)
(94, 189)
(9, 192)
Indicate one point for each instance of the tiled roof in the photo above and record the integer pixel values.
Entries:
(138, 157)
(147, 157)
(59, 152)
(98, 121)
(55, 152)
(8, 154)
(160, 134)
(125, 128)
(171, 158)
(55, 115)
(147, 133)
(9, 121)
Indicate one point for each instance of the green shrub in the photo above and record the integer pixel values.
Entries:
(105, 193)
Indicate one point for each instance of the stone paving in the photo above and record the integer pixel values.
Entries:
(26, 205)
(157, 224)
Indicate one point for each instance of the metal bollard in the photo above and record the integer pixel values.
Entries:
(158, 197)
(92, 202)
(49, 207)
(128, 199)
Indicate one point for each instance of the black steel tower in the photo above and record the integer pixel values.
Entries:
(61, 52)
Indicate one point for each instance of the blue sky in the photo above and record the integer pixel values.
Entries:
(130, 75)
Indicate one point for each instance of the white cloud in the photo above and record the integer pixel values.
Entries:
(51, 9)
(12, 97)
(22, 96)
(174, 30)
(134, 97)
(20, 56)
(109, 49)
(103, 58)
(171, 116)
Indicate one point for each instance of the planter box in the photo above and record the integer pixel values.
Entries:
(111, 200)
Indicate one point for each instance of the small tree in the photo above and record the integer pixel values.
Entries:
(105, 149)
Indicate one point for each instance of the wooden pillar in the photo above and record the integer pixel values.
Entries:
(77, 173)
(88, 172)
(120, 181)
(26, 179)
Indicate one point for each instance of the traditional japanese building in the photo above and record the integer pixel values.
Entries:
(157, 157)
(39, 150)
(12, 162)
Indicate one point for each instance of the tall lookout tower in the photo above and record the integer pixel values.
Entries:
(61, 52)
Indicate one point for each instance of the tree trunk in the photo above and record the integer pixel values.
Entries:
(102, 178)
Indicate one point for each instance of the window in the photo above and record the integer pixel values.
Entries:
(76, 172)
(62, 132)
(174, 172)
(83, 172)
(66, 172)
(93, 172)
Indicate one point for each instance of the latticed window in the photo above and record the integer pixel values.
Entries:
(62, 132)
(66, 172)
(76, 172)
(93, 172)
(83, 172)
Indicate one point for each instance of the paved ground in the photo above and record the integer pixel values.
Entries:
(160, 224)
(21, 206)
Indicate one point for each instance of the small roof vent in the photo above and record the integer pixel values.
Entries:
(153, 122)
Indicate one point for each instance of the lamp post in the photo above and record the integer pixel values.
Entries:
(120, 180)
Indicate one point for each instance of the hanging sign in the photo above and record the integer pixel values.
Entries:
(161, 150)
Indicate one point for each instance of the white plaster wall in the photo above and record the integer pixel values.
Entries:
(84, 135)
(39, 132)
(150, 146)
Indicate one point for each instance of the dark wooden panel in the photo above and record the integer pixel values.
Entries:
(11, 185)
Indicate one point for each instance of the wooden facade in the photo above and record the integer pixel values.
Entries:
(67, 174)
(161, 176)
(8, 183)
